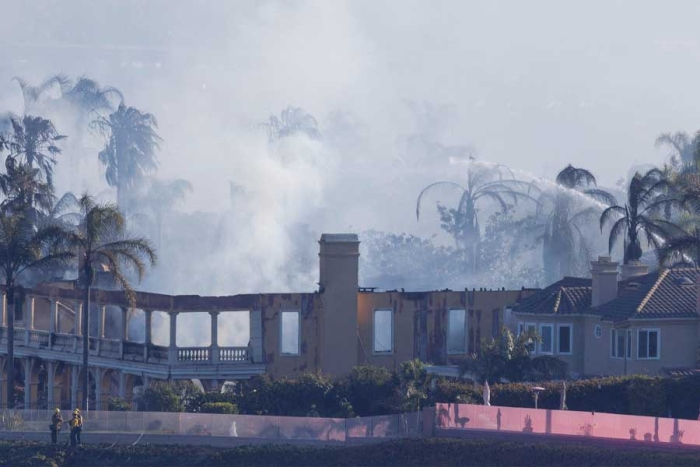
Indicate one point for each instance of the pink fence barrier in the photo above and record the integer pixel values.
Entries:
(566, 422)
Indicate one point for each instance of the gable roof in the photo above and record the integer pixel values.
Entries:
(569, 296)
(668, 293)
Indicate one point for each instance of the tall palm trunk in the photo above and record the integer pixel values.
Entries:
(85, 320)
(10, 345)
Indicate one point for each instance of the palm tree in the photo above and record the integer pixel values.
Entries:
(509, 357)
(35, 96)
(560, 218)
(684, 149)
(23, 248)
(484, 183)
(24, 191)
(34, 141)
(100, 242)
(292, 121)
(130, 150)
(162, 196)
(640, 216)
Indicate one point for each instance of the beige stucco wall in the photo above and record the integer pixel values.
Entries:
(575, 361)
(420, 322)
(279, 365)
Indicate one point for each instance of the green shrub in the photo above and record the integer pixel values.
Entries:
(372, 390)
(220, 407)
(170, 396)
(117, 404)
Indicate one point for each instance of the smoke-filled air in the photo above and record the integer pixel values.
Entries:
(469, 144)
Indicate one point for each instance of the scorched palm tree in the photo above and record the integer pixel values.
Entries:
(23, 247)
(130, 150)
(640, 216)
(484, 183)
(560, 213)
(100, 242)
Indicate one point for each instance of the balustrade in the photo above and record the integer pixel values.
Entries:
(233, 354)
(133, 349)
(63, 341)
(38, 338)
(123, 349)
(193, 354)
(20, 335)
(158, 352)
(109, 347)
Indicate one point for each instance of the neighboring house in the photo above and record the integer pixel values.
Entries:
(644, 323)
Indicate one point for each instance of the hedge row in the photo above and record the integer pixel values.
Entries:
(631, 395)
(371, 391)
(415, 452)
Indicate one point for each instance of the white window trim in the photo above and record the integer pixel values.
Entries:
(466, 332)
(571, 338)
(658, 343)
(613, 345)
(281, 334)
(552, 327)
(374, 340)
(597, 328)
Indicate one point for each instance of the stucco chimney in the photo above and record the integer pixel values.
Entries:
(634, 269)
(604, 274)
(339, 263)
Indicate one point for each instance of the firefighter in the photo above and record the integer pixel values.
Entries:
(56, 422)
(76, 427)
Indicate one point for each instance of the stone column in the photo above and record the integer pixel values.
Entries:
(4, 310)
(29, 304)
(77, 326)
(214, 348)
(101, 311)
(53, 314)
(74, 383)
(51, 371)
(27, 383)
(173, 337)
(122, 384)
(148, 339)
(149, 326)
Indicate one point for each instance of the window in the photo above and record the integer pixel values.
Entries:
(564, 340)
(528, 327)
(598, 331)
(617, 343)
(546, 334)
(289, 333)
(648, 344)
(383, 341)
(457, 331)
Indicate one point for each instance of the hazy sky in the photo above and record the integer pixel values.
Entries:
(534, 85)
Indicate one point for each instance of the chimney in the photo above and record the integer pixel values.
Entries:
(604, 274)
(634, 269)
(339, 263)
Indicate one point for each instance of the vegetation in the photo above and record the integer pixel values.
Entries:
(100, 238)
(641, 216)
(409, 452)
(561, 213)
(508, 357)
(370, 391)
(292, 121)
(130, 151)
(483, 183)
